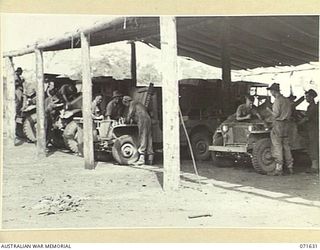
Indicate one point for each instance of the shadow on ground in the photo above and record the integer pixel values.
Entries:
(241, 178)
(301, 184)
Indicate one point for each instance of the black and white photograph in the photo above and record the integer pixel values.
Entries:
(160, 121)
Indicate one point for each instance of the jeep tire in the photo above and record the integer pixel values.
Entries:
(262, 159)
(124, 150)
(30, 127)
(70, 136)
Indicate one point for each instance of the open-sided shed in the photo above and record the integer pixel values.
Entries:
(235, 42)
(256, 41)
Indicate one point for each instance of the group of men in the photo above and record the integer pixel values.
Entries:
(125, 109)
(120, 108)
(281, 112)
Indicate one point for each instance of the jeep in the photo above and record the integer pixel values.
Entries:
(250, 140)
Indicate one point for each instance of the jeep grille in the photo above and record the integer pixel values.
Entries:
(237, 135)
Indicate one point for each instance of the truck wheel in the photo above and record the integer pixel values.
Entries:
(262, 159)
(30, 127)
(200, 142)
(70, 136)
(124, 150)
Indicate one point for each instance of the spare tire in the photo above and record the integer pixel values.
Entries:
(125, 150)
(262, 159)
(30, 127)
(70, 136)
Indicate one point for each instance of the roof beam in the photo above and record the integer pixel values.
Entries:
(65, 38)
(15, 53)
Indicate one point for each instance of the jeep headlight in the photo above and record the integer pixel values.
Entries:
(250, 128)
(224, 128)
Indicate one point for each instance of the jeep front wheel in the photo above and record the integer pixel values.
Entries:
(262, 159)
(124, 150)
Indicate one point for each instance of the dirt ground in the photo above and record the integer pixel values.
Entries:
(126, 196)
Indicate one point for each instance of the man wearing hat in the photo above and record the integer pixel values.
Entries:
(247, 110)
(114, 109)
(19, 80)
(139, 114)
(281, 113)
(312, 122)
(95, 107)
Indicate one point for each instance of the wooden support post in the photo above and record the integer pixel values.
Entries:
(225, 65)
(170, 104)
(86, 104)
(317, 89)
(225, 53)
(133, 64)
(11, 104)
(41, 131)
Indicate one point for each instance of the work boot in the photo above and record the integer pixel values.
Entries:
(290, 169)
(140, 161)
(277, 171)
(150, 160)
